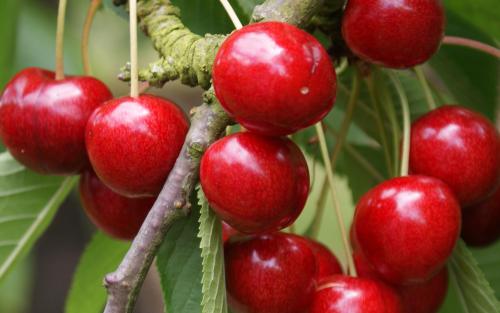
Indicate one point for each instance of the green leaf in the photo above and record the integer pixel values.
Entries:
(481, 13)
(8, 20)
(489, 261)
(179, 264)
(212, 253)
(102, 255)
(244, 8)
(202, 16)
(474, 291)
(28, 202)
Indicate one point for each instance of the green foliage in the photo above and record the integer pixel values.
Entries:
(180, 265)
(28, 203)
(212, 252)
(481, 13)
(8, 20)
(474, 291)
(101, 256)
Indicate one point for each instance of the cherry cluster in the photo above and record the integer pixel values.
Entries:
(124, 148)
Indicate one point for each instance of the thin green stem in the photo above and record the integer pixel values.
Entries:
(405, 158)
(380, 124)
(344, 64)
(232, 14)
(473, 44)
(61, 12)
(87, 25)
(431, 102)
(134, 70)
(336, 205)
(344, 128)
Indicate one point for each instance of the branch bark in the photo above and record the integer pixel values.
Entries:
(207, 124)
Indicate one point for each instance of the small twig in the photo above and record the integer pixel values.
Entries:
(134, 70)
(87, 25)
(232, 14)
(473, 44)
(61, 12)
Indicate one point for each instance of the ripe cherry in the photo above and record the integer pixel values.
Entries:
(340, 294)
(288, 78)
(459, 147)
(406, 217)
(396, 34)
(481, 222)
(133, 143)
(269, 273)
(255, 183)
(326, 262)
(42, 120)
(116, 215)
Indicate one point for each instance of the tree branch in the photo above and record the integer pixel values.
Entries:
(207, 124)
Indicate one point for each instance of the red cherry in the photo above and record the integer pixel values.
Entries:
(403, 218)
(326, 262)
(460, 147)
(114, 214)
(255, 183)
(227, 231)
(269, 273)
(341, 294)
(426, 297)
(397, 34)
(133, 143)
(42, 120)
(274, 78)
(481, 222)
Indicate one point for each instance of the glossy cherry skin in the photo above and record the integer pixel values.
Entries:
(116, 215)
(345, 294)
(133, 143)
(406, 217)
(269, 273)
(481, 222)
(326, 262)
(42, 120)
(395, 34)
(459, 147)
(425, 297)
(274, 78)
(255, 183)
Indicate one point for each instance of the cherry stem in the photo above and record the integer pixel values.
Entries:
(232, 14)
(329, 173)
(380, 124)
(134, 71)
(473, 44)
(61, 12)
(344, 64)
(431, 102)
(341, 137)
(87, 25)
(405, 158)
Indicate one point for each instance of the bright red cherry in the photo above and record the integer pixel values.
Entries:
(342, 294)
(403, 218)
(459, 147)
(481, 222)
(396, 34)
(274, 78)
(42, 120)
(255, 183)
(326, 262)
(116, 215)
(133, 143)
(269, 273)
(425, 297)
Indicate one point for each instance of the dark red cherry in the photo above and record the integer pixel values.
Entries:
(425, 297)
(227, 231)
(116, 215)
(255, 183)
(133, 143)
(403, 218)
(396, 34)
(343, 294)
(461, 148)
(274, 78)
(269, 273)
(481, 222)
(42, 120)
(326, 262)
